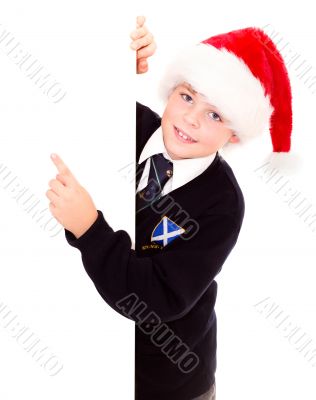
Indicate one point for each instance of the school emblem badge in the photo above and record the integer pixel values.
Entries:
(166, 231)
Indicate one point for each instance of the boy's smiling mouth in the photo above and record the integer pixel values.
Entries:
(183, 137)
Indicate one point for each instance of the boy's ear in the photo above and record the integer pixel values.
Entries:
(234, 138)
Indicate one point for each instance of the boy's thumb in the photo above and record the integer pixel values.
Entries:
(143, 66)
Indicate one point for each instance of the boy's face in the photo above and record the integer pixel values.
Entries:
(188, 112)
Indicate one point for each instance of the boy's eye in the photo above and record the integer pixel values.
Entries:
(186, 97)
(215, 116)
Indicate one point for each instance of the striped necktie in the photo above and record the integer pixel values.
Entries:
(160, 171)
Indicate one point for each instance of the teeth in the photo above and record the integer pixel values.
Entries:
(184, 136)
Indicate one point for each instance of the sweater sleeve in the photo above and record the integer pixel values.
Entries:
(169, 282)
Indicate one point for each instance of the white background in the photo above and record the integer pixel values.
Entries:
(85, 47)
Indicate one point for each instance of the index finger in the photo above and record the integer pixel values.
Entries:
(60, 165)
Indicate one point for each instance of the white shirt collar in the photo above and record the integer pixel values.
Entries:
(183, 170)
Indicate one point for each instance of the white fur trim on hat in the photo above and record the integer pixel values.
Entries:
(227, 83)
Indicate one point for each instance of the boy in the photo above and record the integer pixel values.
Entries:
(190, 208)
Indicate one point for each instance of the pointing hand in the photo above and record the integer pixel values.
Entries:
(70, 203)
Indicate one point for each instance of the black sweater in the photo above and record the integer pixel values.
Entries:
(169, 290)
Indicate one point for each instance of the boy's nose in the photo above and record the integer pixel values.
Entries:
(191, 118)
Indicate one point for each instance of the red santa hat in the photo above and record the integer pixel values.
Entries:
(244, 75)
